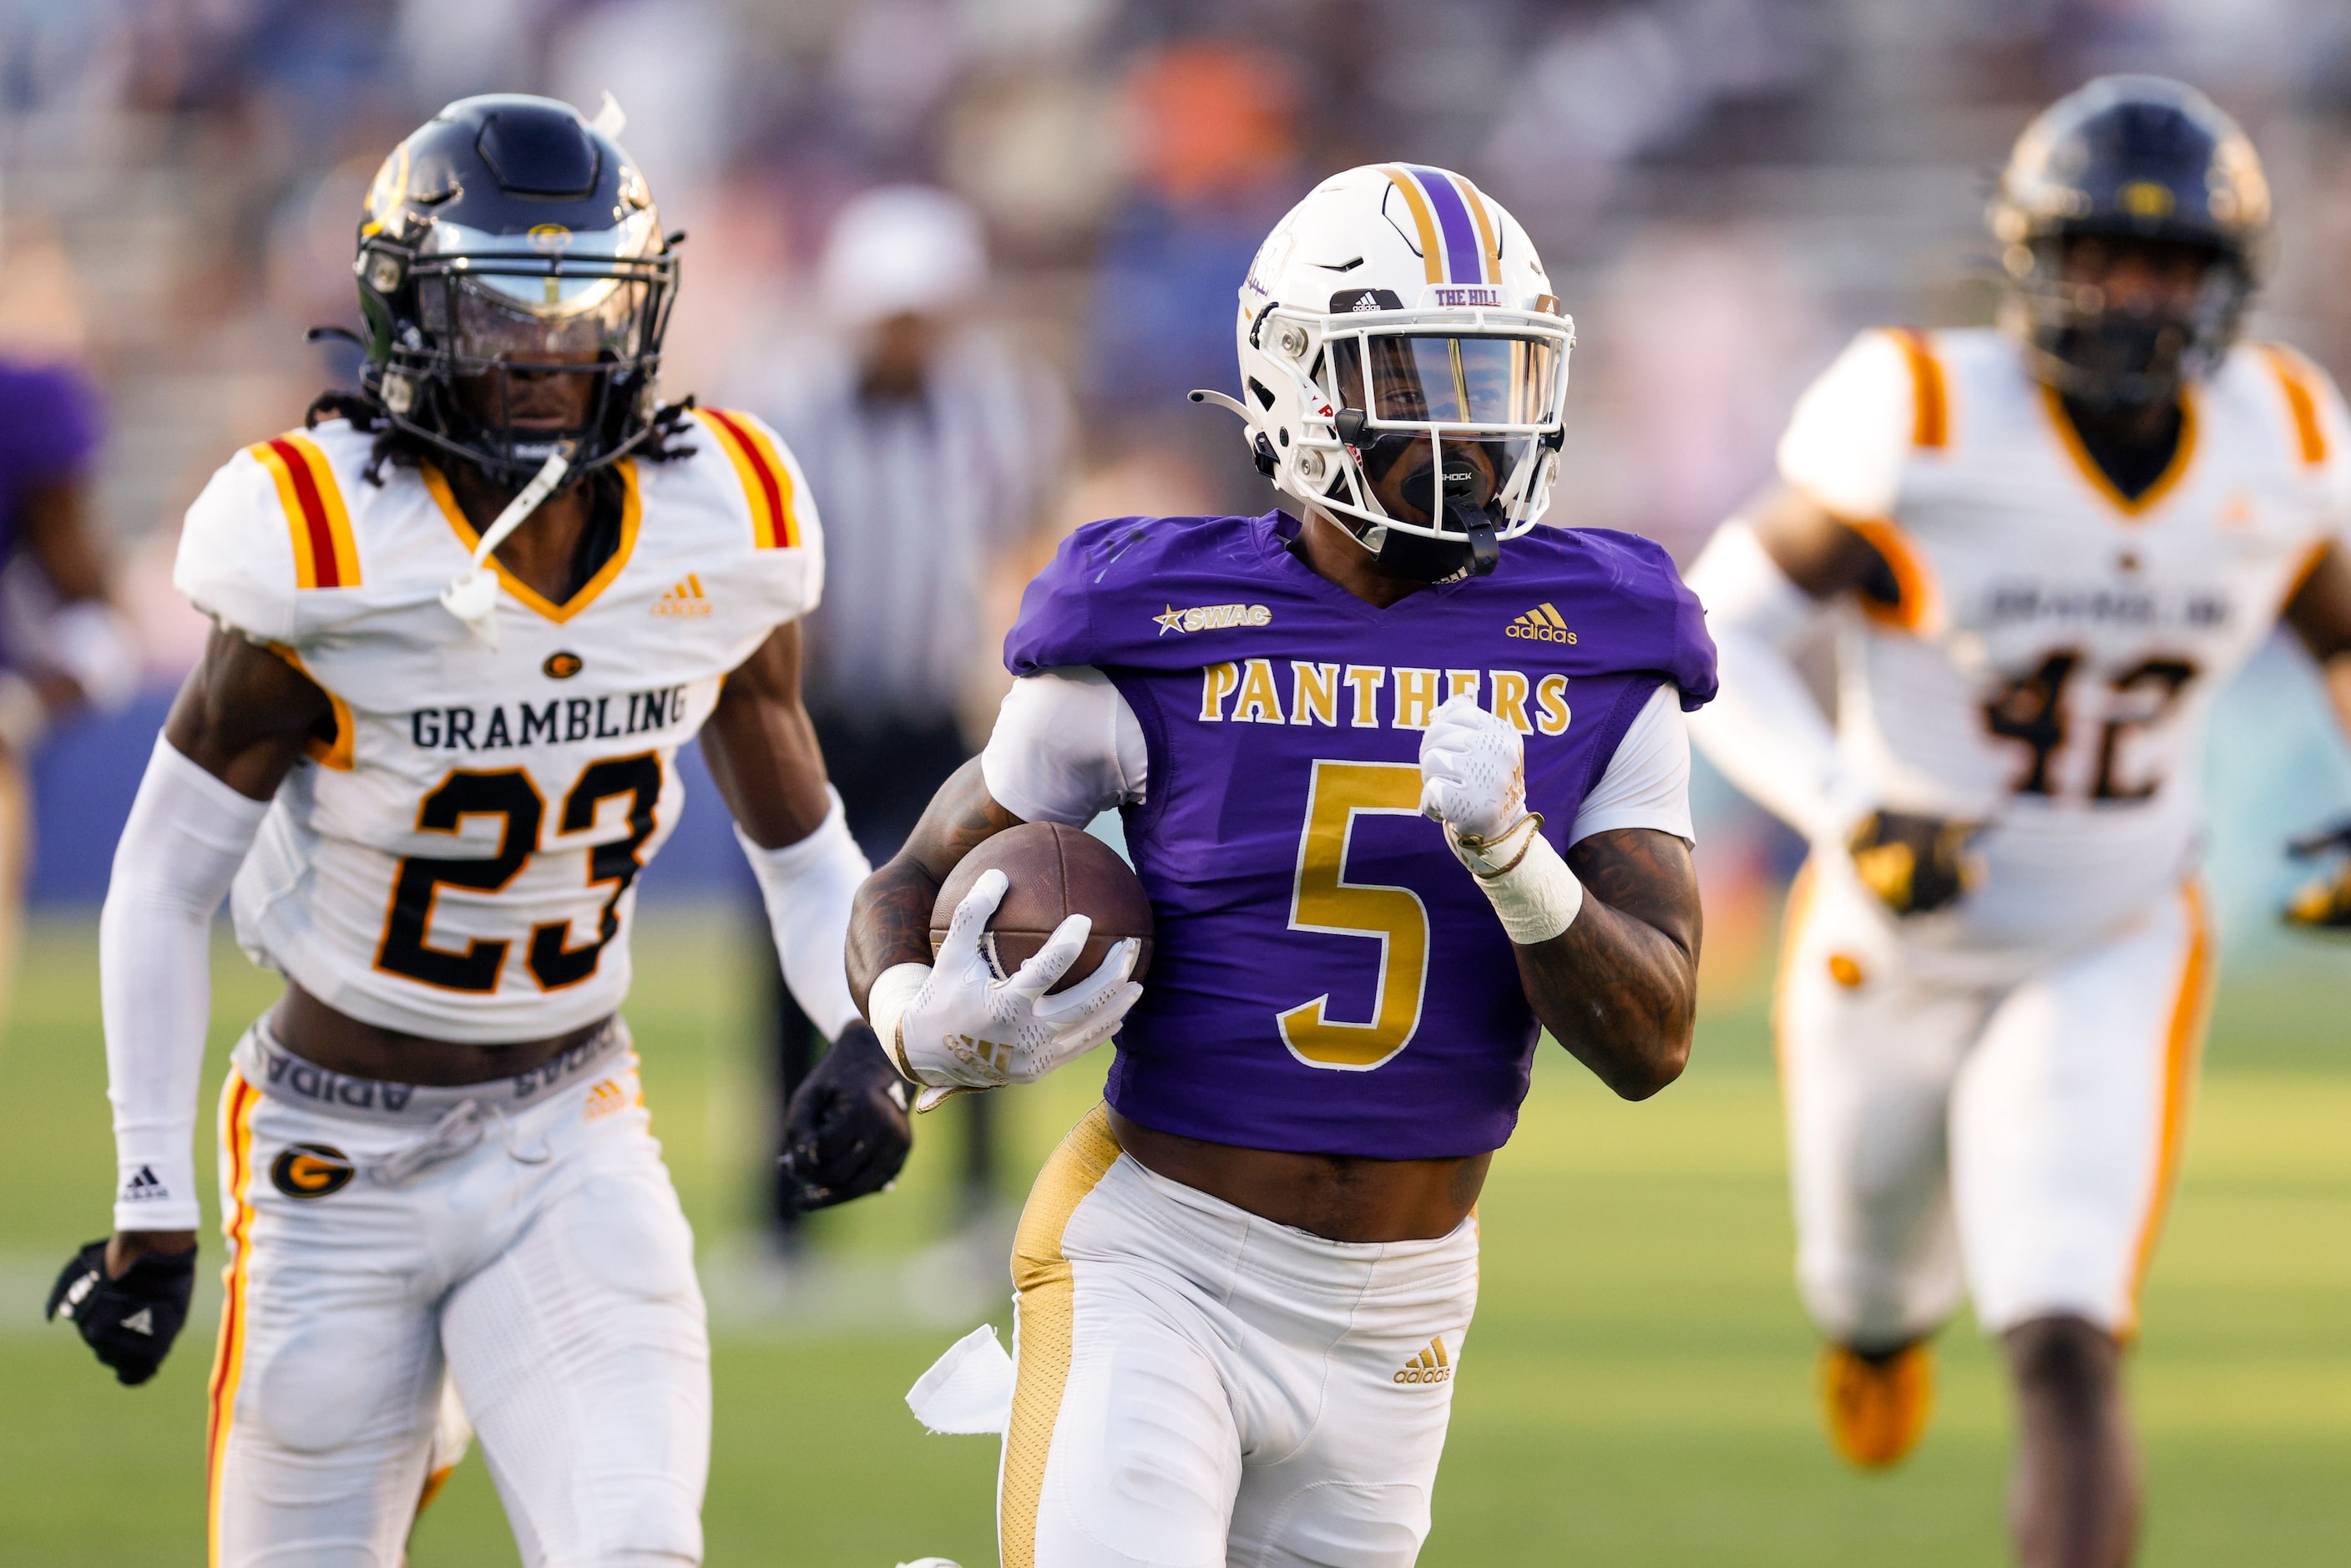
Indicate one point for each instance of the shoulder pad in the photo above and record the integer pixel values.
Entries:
(310, 501)
(271, 526)
(782, 515)
(1106, 564)
(1662, 625)
(2309, 398)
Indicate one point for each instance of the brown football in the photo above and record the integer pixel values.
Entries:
(1054, 872)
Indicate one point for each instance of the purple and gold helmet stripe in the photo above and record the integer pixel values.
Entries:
(1432, 257)
(1465, 259)
(1488, 247)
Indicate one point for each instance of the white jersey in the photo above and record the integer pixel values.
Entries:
(459, 860)
(2055, 648)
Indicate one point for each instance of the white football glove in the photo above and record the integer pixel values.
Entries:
(964, 1028)
(1473, 781)
(1473, 776)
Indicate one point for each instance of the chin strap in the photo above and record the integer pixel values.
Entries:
(473, 596)
(1485, 549)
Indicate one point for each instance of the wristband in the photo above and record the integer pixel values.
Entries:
(893, 991)
(1526, 881)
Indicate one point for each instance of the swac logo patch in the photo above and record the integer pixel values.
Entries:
(1541, 624)
(310, 1170)
(1213, 617)
(562, 666)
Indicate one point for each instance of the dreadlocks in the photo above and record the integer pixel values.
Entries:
(404, 450)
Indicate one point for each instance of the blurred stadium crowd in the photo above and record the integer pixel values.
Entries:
(1725, 189)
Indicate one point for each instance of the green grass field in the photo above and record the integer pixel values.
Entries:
(1636, 1391)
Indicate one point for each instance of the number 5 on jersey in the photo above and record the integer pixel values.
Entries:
(407, 950)
(1323, 901)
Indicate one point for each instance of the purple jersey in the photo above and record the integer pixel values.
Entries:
(1327, 978)
(48, 423)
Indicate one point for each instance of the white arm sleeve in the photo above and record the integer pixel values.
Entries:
(1066, 747)
(1646, 784)
(1851, 434)
(807, 887)
(1763, 729)
(187, 834)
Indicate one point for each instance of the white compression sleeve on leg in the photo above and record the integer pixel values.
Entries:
(1763, 729)
(187, 834)
(807, 887)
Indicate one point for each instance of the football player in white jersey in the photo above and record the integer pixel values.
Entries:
(2045, 549)
(463, 625)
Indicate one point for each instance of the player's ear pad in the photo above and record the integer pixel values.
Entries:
(1054, 872)
(130, 1322)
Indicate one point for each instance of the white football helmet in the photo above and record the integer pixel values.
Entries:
(1395, 326)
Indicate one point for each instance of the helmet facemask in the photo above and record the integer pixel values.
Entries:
(2129, 355)
(1430, 435)
(512, 347)
(2129, 161)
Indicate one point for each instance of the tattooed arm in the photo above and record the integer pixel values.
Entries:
(1619, 987)
(889, 922)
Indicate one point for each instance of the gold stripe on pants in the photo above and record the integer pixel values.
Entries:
(1046, 1296)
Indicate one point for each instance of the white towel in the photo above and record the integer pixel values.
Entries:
(968, 1390)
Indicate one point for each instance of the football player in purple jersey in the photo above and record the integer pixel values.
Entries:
(1406, 780)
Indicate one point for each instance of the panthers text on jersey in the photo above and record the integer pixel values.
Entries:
(2056, 646)
(1326, 977)
(460, 860)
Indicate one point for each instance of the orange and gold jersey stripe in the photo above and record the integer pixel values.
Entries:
(1931, 418)
(2293, 373)
(238, 1100)
(325, 555)
(767, 483)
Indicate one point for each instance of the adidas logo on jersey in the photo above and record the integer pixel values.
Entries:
(1541, 624)
(1429, 1367)
(686, 599)
(145, 1186)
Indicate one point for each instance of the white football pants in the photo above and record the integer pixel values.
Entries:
(518, 1237)
(2017, 1140)
(1196, 1386)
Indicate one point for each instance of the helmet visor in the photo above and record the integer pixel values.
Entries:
(488, 323)
(1472, 382)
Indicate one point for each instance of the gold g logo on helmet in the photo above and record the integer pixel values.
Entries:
(306, 1171)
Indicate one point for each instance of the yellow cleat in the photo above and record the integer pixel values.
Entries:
(1876, 1406)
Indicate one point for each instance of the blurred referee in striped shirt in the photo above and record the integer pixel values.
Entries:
(933, 453)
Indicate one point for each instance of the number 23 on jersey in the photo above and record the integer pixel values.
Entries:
(509, 794)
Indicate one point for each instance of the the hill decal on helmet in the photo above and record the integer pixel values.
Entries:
(1403, 367)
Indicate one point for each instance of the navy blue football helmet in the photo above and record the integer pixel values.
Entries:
(508, 238)
(2134, 158)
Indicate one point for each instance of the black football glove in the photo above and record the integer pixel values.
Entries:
(847, 1132)
(129, 1321)
(1916, 865)
(2323, 902)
